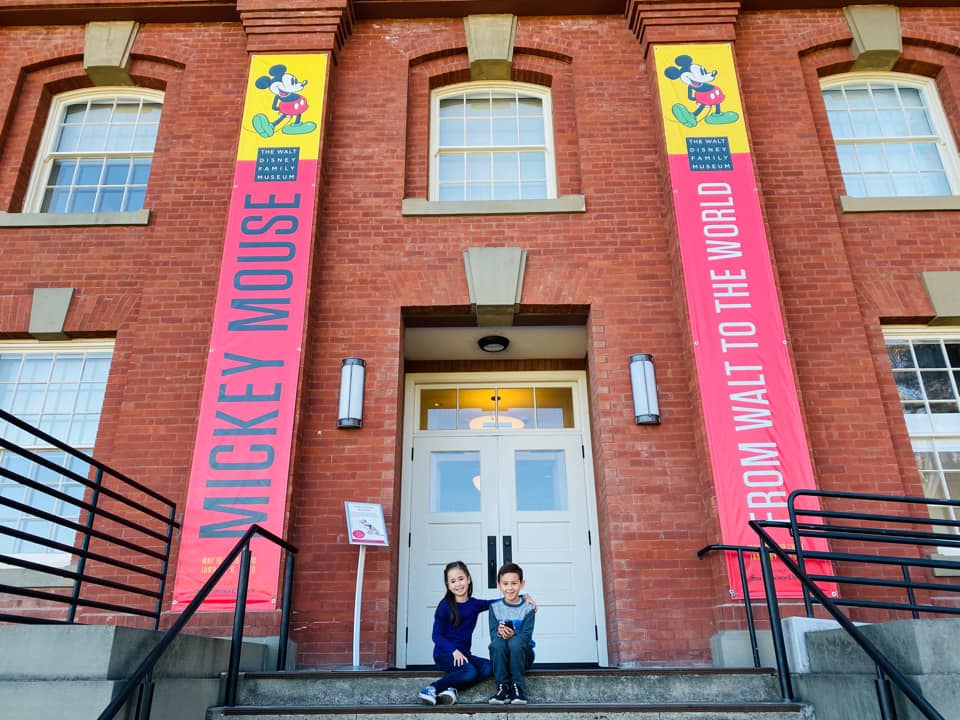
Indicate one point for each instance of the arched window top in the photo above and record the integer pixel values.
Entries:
(96, 151)
(491, 141)
(891, 134)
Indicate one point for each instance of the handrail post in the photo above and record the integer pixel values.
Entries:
(748, 610)
(145, 703)
(236, 640)
(85, 546)
(165, 566)
(911, 595)
(776, 629)
(285, 613)
(798, 548)
(888, 710)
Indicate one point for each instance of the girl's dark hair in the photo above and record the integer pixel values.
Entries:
(451, 600)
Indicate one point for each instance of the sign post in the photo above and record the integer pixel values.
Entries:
(365, 526)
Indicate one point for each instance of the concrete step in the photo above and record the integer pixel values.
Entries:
(577, 687)
(583, 694)
(546, 711)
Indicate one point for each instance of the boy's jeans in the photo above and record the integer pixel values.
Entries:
(511, 658)
(467, 675)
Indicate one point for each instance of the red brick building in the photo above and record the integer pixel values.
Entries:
(495, 169)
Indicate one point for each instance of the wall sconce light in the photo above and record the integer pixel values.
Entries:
(352, 372)
(643, 380)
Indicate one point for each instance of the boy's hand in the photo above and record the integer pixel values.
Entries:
(505, 630)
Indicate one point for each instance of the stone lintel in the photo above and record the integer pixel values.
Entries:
(494, 282)
(943, 288)
(877, 44)
(106, 51)
(490, 45)
(48, 313)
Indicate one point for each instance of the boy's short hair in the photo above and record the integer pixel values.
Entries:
(510, 567)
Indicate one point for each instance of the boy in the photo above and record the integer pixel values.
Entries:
(511, 637)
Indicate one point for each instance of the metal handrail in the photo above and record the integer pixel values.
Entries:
(141, 681)
(865, 535)
(147, 553)
(883, 664)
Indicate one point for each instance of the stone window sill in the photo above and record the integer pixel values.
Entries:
(895, 204)
(138, 217)
(565, 204)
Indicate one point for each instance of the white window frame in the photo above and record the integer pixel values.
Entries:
(937, 431)
(46, 154)
(55, 558)
(529, 89)
(943, 135)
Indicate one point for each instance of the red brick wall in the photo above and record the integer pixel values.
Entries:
(840, 275)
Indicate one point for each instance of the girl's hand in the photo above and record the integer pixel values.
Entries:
(459, 658)
(531, 602)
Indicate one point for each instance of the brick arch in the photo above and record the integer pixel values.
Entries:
(37, 84)
(536, 65)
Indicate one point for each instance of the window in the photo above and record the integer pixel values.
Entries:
(96, 152)
(58, 387)
(492, 141)
(926, 368)
(891, 135)
(496, 408)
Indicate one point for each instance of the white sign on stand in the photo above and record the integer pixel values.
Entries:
(365, 526)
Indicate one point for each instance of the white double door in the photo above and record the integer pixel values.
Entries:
(490, 499)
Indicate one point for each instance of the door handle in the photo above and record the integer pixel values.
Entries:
(507, 549)
(491, 561)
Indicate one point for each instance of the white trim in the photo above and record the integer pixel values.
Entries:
(905, 332)
(538, 91)
(928, 433)
(928, 88)
(55, 345)
(36, 347)
(44, 161)
(578, 380)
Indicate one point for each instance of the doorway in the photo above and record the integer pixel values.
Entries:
(497, 470)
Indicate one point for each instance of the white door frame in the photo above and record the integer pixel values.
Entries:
(578, 379)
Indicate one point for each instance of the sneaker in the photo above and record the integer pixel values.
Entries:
(502, 696)
(428, 695)
(448, 697)
(519, 696)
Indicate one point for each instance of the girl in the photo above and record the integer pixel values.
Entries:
(453, 625)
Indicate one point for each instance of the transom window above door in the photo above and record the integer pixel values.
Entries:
(491, 141)
(475, 409)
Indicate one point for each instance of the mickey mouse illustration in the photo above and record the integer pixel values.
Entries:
(701, 90)
(287, 102)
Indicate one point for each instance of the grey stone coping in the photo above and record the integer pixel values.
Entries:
(22, 577)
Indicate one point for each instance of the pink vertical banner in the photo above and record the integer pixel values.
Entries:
(751, 410)
(241, 457)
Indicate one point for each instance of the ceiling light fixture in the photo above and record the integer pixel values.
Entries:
(493, 343)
